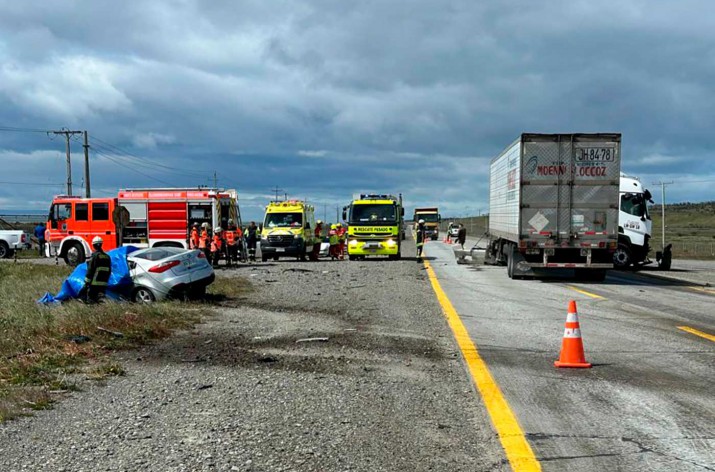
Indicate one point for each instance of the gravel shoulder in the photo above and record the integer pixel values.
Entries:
(386, 390)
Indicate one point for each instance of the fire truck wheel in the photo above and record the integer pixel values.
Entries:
(74, 254)
(4, 250)
(143, 295)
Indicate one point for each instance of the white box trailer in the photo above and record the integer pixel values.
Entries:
(553, 203)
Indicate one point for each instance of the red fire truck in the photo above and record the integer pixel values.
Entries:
(137, 217)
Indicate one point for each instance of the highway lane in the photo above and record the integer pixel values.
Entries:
(647, 404)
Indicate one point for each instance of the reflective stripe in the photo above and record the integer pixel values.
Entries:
(572, 318)
(572, 333)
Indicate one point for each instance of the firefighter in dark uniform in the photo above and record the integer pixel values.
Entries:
(99, 268)
(420, 238)
(251, 240)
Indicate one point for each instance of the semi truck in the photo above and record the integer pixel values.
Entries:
(635, 227)
(147, 217)
(432, 219)
(375, 226)
(553, 204)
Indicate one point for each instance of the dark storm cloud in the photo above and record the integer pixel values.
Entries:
(327, 99)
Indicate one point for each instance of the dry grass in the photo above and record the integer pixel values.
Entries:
(42, 347)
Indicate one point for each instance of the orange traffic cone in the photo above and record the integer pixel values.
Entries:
(572, 346)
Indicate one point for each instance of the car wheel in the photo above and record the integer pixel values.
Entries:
(4, 250)
(74, 255)
(622, 258)
(264, 258)
(143, 295)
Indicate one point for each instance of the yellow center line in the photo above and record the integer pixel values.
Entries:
(703, 289)
(512, 438)
(584, 292)
(697, 333)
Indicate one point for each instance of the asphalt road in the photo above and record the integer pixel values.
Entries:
(648, 404)
(324, 366)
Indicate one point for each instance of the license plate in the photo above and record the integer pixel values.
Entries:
(280, 249)
(372, 245)
(372, 250)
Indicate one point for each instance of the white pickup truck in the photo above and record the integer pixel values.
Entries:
(11, 241)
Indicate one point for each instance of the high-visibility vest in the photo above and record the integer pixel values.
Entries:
(99, 268)
(204, 239)
(333, 237)
(230, 237)
(194, 238)
(216, 243)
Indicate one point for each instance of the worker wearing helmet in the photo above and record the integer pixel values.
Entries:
(318, 239)
(334, 242)
(194, 236)
(341, 240)
(216, 246)
(231, 238)
(204, 240)
(420, 238)
(99, 268)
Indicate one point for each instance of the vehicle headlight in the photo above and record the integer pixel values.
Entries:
(353, 242)
(391, 242)
(298, 236)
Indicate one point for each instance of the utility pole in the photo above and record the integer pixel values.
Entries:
(325, 212)
(67, 133)
(276, 190)
(662, 209)
(87, 190)
(215, 181)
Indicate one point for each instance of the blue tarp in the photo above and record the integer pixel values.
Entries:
(119, 281)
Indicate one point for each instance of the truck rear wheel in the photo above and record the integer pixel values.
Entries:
(74, 255)
(510, 262)
(622, 258)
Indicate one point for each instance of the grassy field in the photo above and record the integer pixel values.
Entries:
(46, 349)
(690, 227)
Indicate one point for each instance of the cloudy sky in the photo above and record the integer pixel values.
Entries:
(324, 99)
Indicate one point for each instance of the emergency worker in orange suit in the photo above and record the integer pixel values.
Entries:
(232, 241)
(204, 240)
(216, 246)
(318, 240)
(341, 240)
(194, 237)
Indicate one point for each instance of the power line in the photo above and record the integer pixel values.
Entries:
(119, 163)
(31, 184)
(112, 147)
(23, 130)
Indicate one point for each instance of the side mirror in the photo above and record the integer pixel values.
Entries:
(345, 215)
(402, 212)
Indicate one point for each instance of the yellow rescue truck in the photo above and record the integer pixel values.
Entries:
(375, 226)
(288, 230)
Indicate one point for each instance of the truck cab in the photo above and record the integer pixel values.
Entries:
(432, 219)
(375, 226)
(634, 224)
(73, 222)
(288, 230)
